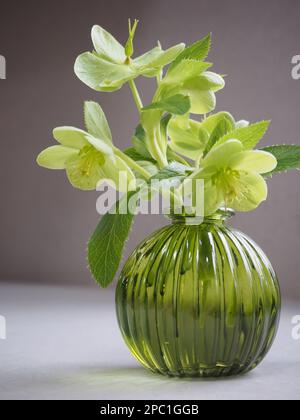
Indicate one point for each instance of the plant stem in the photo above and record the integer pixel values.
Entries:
(198, 160)
(156, 151)
(159, 77)
(132, 164)
(158, 155)
(178, 158)
(136, 95)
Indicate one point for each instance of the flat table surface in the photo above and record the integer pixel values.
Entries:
(64, 343)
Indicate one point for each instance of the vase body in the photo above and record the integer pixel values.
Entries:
(198, 299)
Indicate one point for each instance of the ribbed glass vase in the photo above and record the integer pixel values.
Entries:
(198, 299)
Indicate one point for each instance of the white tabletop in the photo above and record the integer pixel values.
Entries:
(64, 343)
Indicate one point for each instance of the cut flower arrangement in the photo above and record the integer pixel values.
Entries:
(197, 298)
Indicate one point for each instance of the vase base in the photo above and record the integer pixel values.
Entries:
(215, 372)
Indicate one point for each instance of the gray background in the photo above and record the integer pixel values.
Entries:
(45, 223)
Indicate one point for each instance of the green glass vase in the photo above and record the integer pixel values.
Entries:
(198, 299)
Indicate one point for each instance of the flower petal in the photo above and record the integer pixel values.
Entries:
(184, 71)
(220, 156)
(201, 91)
(210, 81)
(145, 59)
(157, 57)
(253, 191)
(213, 198)
(100, 145)
(70, 137)
(210, 123)
(188, 140)
(256, 161)
(85, 170)
(96, 122)
(120, 174)
(105, 44)
(55, 157)
(102, 75)
(202, 101)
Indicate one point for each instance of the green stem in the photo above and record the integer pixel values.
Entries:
(156, 151)
(198, 160)
(181, 160)
(159, 77)
(132, 164)
(136, 95)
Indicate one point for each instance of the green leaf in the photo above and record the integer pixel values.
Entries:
(177, 105)
(96, 122)
(288, 157)
(197, 51)
(249, 136)
(223, 127)
(106, 246)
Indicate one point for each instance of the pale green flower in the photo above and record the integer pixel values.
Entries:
(232, 177)
(191, 78)
(88, 156)
(108, 67)
(189, 137)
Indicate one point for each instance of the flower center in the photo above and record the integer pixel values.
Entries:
(227, 180)
(88, 157)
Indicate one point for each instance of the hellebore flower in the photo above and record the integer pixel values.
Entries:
(232, 177)
(88, 156)
(110, 65)
(191, 78)
(189, 137)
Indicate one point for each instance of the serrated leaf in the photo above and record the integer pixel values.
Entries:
(197, 51)
(177, 105)
(223, 127)
(96, 122)
(288, 157)
(106, 246)
(249, 136)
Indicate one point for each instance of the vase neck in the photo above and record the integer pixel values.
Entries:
(218, 218)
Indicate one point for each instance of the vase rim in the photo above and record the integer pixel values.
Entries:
(188, 218)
